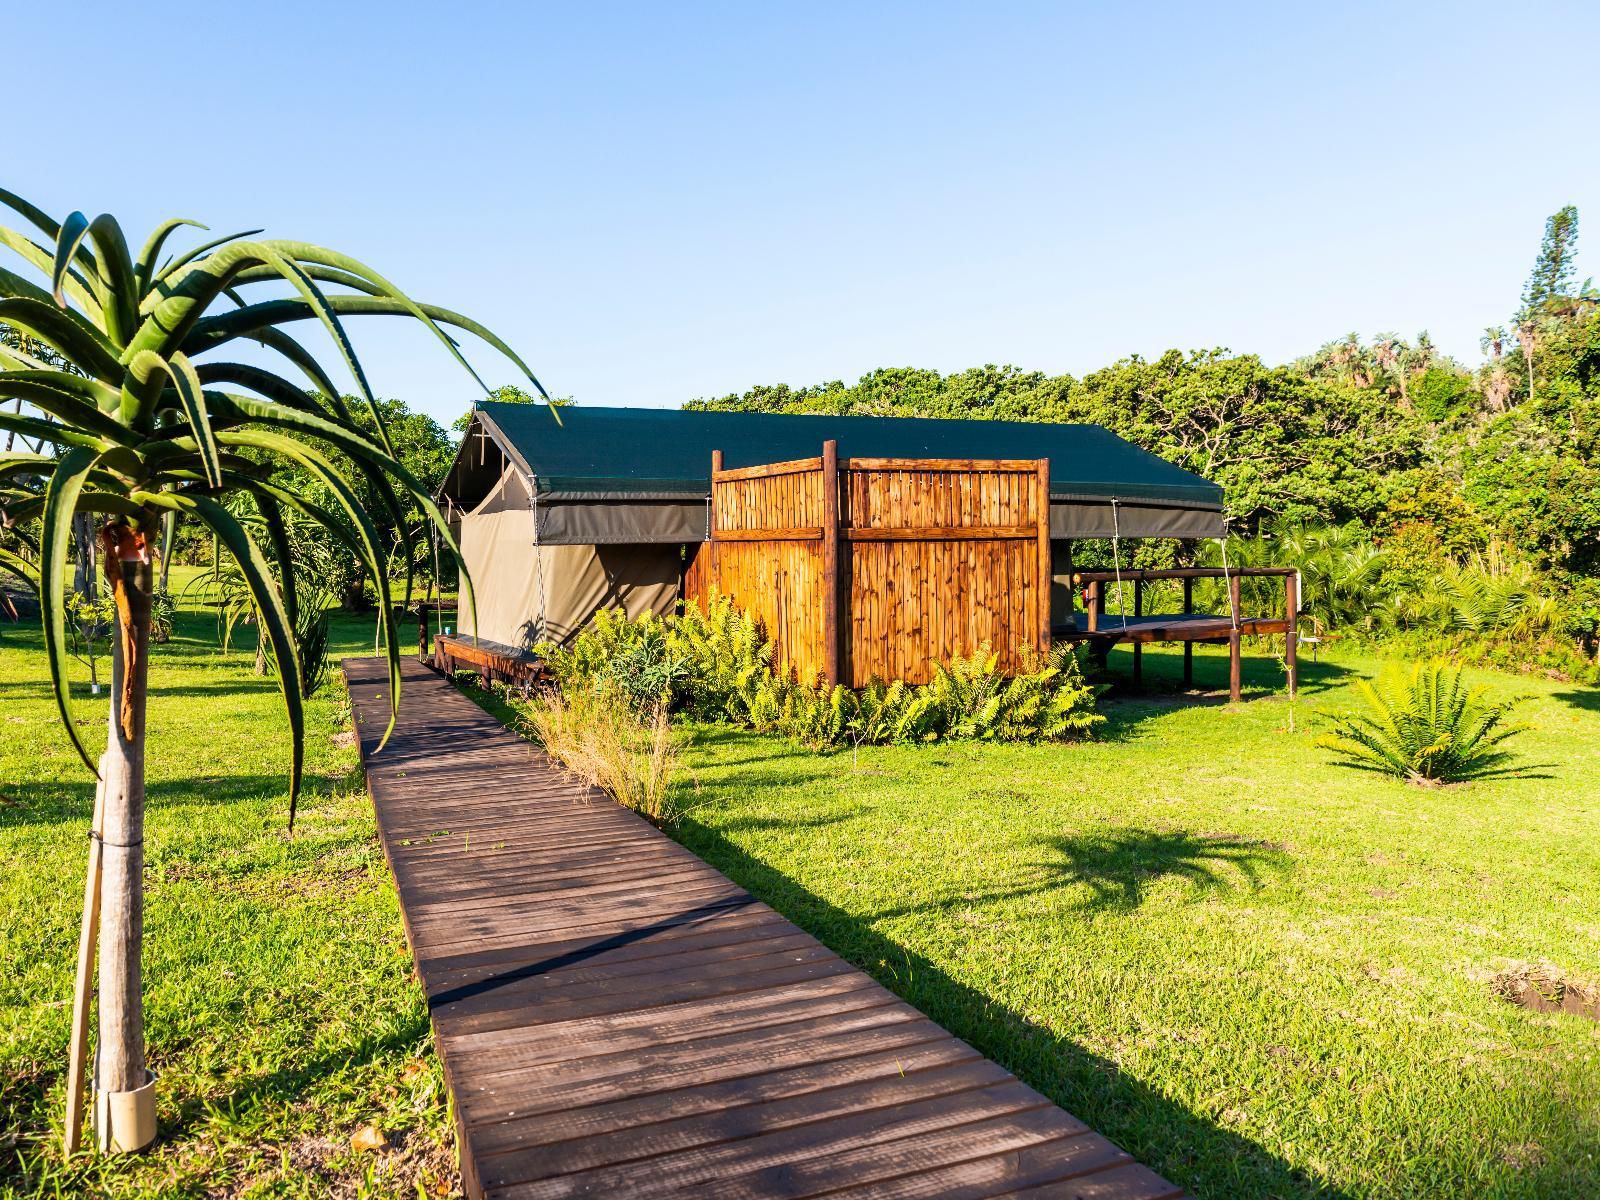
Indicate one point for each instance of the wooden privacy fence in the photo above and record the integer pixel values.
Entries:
(866, 568)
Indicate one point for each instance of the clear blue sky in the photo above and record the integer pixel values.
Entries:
(655, 202)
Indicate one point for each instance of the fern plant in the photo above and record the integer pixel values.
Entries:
(1428, 727)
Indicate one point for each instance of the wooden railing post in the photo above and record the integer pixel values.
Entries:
(1045, 576)
(1188, 647)
(1138, 646)
(832, 632)
(1235, 683)
(1291, 633)
(1095, 606)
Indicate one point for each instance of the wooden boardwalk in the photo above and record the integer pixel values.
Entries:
(617, 1019)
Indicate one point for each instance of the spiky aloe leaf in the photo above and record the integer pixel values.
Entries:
(60, 503)
(40, 389)
(144, 268)
(372, 555)
(147, 366)
(172, 269)
(269, 609)
(44, 261)
(59, 329)
(20, 567)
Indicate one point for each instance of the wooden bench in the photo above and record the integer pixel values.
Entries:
(496, 662)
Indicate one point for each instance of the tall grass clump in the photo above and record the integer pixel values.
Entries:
(602, 739)
(1427, 726)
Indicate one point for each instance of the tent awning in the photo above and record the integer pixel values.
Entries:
(631, 475)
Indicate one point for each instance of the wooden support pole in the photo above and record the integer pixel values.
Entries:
(88, 935)
(1044, 556)
(832, 634)
(1072, 587)
(422, 631)
(1138, 647)
(711, 578)
(1235, 687)
(1095, 606)
(1188, 647)
(1291, 634)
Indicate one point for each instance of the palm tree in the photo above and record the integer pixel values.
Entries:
(1527, 336)
(144, 417)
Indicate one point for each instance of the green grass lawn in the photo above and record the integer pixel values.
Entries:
(1263, 974)
(282, 1015)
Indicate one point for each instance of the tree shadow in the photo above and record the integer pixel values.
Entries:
(1258, 674)
(1186, 1146)
(1587, 699)
(1121, 866)
(63, 802)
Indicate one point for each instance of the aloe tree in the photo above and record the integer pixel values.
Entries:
(142, 409)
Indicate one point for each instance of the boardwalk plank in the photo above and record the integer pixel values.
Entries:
(616, 1018)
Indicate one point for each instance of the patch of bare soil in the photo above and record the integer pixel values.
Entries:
(1543, 989)
(403, 1165)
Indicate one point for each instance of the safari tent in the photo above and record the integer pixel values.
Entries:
(611, 507)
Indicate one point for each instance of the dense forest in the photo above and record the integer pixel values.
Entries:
(1426, 475)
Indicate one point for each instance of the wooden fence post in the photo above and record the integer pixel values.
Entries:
(1044, 556)
(712, 580)
(831, 631)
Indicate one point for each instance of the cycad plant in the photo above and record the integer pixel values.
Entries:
(1428, 727)
(143, 408)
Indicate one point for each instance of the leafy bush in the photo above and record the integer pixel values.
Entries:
(599, 736)
(90, 621)
(163, 610)
(630, 657)
(716, 664)
(974, 700)
(1427, 727)
(310, 639)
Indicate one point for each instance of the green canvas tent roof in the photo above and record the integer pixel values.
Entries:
(659, 453)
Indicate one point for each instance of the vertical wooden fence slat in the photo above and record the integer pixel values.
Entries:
(885, 568)
(831, 636)
(1041, 515)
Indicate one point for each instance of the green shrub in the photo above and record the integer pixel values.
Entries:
(716, 664)
(634, 658)
(163, 609)
(310, 639)
(1427, 727)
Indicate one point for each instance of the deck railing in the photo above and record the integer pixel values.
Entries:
(1189, 626)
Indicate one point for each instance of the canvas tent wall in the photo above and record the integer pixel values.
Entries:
(518, 581)
(629, 488)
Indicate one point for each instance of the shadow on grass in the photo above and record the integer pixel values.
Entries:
(1185, 1146)
(1587, 699)
(1121, 866)
(31, 1102)
(62, 802)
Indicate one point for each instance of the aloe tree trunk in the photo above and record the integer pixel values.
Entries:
(121, 1056)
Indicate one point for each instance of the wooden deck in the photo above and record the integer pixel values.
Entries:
(1171, 627)
(617, 1019)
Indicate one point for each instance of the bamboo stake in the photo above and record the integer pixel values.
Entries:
(88, 936)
